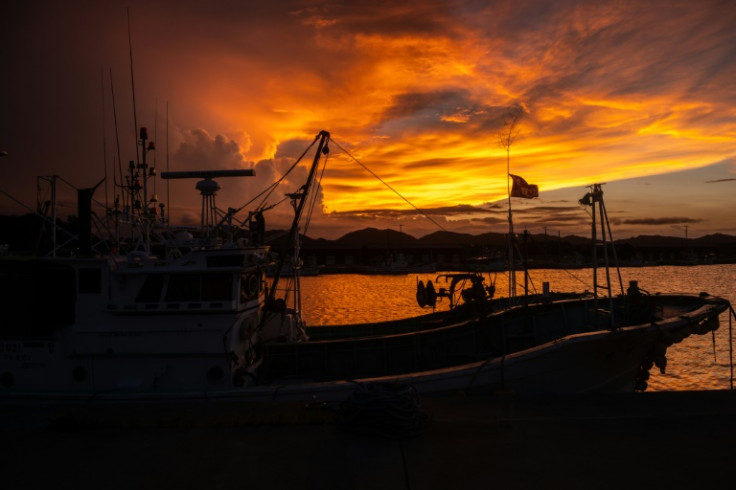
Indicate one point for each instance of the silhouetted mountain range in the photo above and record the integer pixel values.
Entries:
(392, 239)
(450, 250)
(668, 241)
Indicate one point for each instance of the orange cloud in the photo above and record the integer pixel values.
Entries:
(417, 90)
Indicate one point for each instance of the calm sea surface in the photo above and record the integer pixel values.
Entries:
(693, 364)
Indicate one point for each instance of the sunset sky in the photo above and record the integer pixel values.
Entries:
(640, 95)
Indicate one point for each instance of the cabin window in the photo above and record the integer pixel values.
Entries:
(45, 294)
(217, 287)
(90, 280)
(194, 287)
(151, 290)
(183, 287)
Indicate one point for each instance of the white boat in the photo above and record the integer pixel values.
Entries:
(153, 309)
(184, 314)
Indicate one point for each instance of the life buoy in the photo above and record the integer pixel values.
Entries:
(421, 294)
(430, 294)
(251, 285)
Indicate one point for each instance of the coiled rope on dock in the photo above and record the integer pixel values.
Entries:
(385, 410)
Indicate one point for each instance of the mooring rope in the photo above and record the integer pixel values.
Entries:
(587, 285)
(390, 411)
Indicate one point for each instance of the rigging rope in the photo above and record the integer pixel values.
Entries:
(577, 278)
(388, 185)
(313, 194)
(269, 190)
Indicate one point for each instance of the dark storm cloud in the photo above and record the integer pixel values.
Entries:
(559, 216)
(412, 17)
(460, 210)
(434, 103)
(719, 180)
(491, 220)
(657, 221)
(549, 210)
(417, 112)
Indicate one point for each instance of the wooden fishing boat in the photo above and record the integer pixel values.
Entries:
(569, 346)
(161, 313)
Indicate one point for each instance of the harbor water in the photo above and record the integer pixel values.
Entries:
(696, 363)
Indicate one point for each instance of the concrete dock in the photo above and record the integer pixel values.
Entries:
(641, 440)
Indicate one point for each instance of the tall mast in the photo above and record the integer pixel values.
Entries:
(104, 136)
(168, 194)
(132, 86)
(119, 174)
(506, 137)
(590, 199)
(293, 237)
(512, 271)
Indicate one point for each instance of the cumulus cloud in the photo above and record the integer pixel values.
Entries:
(200, 150)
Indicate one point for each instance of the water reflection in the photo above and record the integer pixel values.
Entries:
(697, 363)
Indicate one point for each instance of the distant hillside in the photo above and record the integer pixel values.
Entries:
(669, 241)
(450, 238)
(716, 239)
(387, 238)
(372, 237)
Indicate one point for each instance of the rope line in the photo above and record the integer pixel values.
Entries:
(388, 186)
(383, 410)
(577, 278)
(269, 189)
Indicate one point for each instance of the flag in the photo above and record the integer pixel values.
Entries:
(522, 189)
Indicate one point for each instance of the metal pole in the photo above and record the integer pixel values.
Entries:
(322, 147)
(605, 255)
(53, 215)
(595, 253)
(613, 247)
(512, 271)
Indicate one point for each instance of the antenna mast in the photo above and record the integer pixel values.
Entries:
(132, 85)
(590, 199)
(208, 189)
(168, 194)
(104, 135)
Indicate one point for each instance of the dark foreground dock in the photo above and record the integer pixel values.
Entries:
(645, 440)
